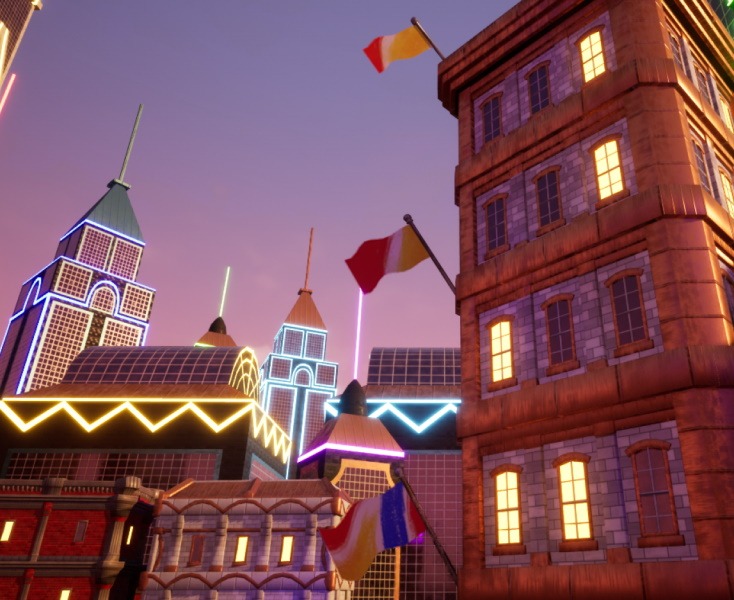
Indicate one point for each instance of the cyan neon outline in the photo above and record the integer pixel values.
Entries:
(104, 228)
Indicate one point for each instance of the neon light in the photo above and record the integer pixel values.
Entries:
(348, 448)
(359, 331)
(4, 40)
(270, 368)
(85, 266)
(109, 285)
(331, 409)
(7, 90)
(408, 421)
(32, 347)
(103, 227)
(302, 327)
(37, 285)
(224, 293)
(68, 300)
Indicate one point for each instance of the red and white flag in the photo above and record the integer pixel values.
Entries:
(388, 48)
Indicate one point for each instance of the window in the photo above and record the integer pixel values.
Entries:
(491, 111)
(726, 113)
(4, 39)
(700, 157)
(81, 531)
(726, 184)
(496, 225)
(608, 169)
(501, 350)
(575, 513)
(629, 315)
(675, 47)
(197, 550)
(549, 198)
(507, 490)
(65, 595)
(653, 486)
(293, 344)
(592, 56)
(286, 550)
(240, 553)
(7, 530)
(702, 81)
(729, 291)
(539, 88)
(129, 538)
(561, 349)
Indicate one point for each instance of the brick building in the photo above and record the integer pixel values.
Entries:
(596, 294)
(72, 540)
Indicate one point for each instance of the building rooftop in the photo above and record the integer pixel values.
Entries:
(304, 312)
(256, 488)
(414, 366)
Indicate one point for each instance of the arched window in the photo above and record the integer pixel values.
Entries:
(508, 511)
(104, 300)
(575, 504)
(495, 212)
(630, 324)
(591, 48)
(303, 377)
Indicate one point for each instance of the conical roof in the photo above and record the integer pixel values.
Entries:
(113, 210)
(304, 312)
(217, 335)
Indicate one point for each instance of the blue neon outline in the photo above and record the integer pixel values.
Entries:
(305, 344)
(303, 341)
(38, 280)
(91, 268)
(108, 284)
(131, 320)
(104, 228)
(32, 347)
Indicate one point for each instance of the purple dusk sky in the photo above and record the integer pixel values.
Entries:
(261, 120)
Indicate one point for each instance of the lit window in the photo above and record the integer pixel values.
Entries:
(549, 198)
(508, 508)
(654, 491)
(129, 538)
(560, 332)
(81, 531)
(728, 192)
(608, 169)
(574, 501)
(286, 550)
(628, 314)
(7, 530)
(592, 56)
(726, 109)
(4, 39)
(491, 111)
(240, 553)
(539, 88)
(496, 224)
(65, 595)
(501, 349)
(703, 172)
(702, 81)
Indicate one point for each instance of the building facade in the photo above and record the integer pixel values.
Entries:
(73, 540)
(87, 296)
(14, 18)
(596, 293)
(297, 380)
(227, 540)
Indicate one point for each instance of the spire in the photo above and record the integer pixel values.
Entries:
(121, 178)
(304, 311)
(308, 264)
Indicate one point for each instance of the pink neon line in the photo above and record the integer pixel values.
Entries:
(359, 331)
(7, 91)
(347, 448)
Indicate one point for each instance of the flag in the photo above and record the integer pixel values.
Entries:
(387, 48)
(371, 526)
(376, 258)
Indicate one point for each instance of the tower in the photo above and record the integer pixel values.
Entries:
(596, 296)
(86, 296)
(297, 378)
(14, 18)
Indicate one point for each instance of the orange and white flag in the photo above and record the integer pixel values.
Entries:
(388, 48)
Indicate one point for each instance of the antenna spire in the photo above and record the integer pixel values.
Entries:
(224, 293)
(308, 262)
(121, 178)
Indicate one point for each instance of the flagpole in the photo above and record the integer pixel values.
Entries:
(359, 331)
(436, 542)
(422, 31)
(409, 220)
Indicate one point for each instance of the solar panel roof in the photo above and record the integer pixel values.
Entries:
(414, 366)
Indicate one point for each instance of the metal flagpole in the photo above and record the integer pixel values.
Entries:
(447, 561)
(121, 179)
(422, 31)
(409, 220)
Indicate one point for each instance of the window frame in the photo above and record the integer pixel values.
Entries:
(573, 362)
(699, 71)
(726, 113)
(196, 550)
(560, 221)
(698, 143)
(583, 37)
(635, 345)
(576, 544)
(500, 131)
(500, 248)
(727, 183)
(237, 547)
(624, 192)
(289, 559)
(509, 381)
(545, 65)
(500, 549)
(655, 539)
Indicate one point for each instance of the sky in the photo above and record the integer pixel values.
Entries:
(261, 120)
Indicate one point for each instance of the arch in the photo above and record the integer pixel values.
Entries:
(99, 297)
(298, 376)
(35, 285)
(245, 375)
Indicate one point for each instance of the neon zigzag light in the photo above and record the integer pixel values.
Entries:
(273, 435)
(450, 406)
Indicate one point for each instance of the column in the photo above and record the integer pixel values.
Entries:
(263, 555)
(171, 565)
(309, 558)
(220, 544)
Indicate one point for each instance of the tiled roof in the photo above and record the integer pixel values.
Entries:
(305, 313)
(256, 488)
(114, 210)
(354, 430)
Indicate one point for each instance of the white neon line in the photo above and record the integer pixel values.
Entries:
(224, 293)
(7, 91)
(359, 332)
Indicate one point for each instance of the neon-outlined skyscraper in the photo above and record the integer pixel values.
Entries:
(86, 296)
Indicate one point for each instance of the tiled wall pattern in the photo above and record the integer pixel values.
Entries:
(614, 511)
(565, 77)
(577, 182)
(593, 323)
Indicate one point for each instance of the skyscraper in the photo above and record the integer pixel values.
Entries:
(596, 295)
(14, 18)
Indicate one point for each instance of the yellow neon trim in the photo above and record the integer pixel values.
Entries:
(7, 530)
(129, 536)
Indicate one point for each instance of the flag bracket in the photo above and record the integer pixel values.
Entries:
(409, 220)
(422, 31)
